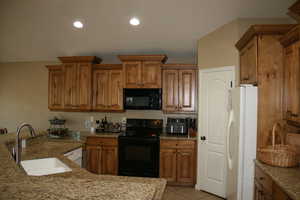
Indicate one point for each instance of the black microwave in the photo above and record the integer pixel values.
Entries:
(142, 99)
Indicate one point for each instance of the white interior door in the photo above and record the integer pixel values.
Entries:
(213, 115)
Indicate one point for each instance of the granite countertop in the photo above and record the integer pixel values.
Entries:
(77, 184)
(286, 178)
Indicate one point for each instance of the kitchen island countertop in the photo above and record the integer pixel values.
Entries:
(77, 184)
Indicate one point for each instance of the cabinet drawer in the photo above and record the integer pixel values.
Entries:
(102, 141)
(168, 143)
(263, 179)
(186, 144)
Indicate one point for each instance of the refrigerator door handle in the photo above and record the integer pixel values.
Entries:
(230, 123)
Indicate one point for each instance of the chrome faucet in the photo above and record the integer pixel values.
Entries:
(17, 148)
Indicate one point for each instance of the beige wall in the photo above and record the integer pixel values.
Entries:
(24, 98)
(217, 49)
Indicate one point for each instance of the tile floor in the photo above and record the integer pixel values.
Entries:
(187, 193)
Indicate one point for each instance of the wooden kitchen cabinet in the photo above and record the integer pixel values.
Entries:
(142, 71)
(109, 155)
(261, 64)
(168, 164)
(78, 82)
(178, 161)
(55, 87)
(248, 63)
(102, 155)
(93, 158)
(179, 88)
(265, 188)
(291, 44)
(107, 87)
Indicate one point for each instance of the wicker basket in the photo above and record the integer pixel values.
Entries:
(279, 155)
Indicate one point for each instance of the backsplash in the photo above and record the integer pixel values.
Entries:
(76, 121)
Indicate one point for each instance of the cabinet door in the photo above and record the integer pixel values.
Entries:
(109, 160)
(93, 159)
(279, 194)
(55, 90)
(248, 63)
(187, 90)
(100, 89)
(70, 80)
(115, 90)
(151, 74)
(292, 84)
(168, 164)
(84, 86)
(186, 166)
(170, 90)
(133, 74)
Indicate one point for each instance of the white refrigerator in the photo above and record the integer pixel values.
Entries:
(241, 143)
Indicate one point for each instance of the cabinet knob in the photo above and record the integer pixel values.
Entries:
(202, 138)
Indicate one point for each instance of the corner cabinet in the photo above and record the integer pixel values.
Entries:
(178, 161)
(291, 44)
(180, 88)
(102, 155)
(261, 64)
(55, 87)
(142, 71)
(108, 87)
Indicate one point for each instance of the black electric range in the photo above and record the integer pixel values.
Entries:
(139, 148)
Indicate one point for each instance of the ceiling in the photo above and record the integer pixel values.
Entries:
(35, 30)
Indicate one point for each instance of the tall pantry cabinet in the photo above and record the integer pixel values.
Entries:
(261, 64)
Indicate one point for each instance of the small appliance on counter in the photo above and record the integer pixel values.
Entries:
(180, 126)
(177, 126)
(57, 128)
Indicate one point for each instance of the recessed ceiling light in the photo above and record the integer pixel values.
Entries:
(134, 21)
(78, 24)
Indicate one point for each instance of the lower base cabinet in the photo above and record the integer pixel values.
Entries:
(102, 155)
(178, 161)
(266, 189)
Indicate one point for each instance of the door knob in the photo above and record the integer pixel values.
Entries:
(202, 138)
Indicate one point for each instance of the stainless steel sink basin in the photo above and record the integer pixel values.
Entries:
(45, 166)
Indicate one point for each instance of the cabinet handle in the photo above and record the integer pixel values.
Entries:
(246, 79)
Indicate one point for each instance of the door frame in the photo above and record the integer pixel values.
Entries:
(199, 127)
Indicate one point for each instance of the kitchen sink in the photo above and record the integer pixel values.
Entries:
(45, 166)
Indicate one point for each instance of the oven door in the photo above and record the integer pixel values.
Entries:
(139, 156)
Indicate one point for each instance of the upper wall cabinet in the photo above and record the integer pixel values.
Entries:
(248, 63)
(108, 87)
(70, 84)
(261, 64)
(291, 44)
(78, 82)
(55, 87)
(142, 71)
(179, 88)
